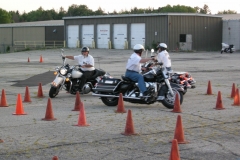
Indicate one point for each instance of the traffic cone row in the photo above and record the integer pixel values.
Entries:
(40, 59)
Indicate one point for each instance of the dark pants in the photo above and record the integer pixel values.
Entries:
(86, 75)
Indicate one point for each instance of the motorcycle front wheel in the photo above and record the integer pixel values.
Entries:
(169, 100)
(53, 92)
(110, 101)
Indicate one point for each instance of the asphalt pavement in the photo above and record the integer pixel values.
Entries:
(212, 134)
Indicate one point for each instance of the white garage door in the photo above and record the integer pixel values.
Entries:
(137, 34)
(103, 35)
(72, 32)
(119, 35)
(87, 35)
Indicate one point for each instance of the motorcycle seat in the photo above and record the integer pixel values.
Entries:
(126, 79)
(98, 72)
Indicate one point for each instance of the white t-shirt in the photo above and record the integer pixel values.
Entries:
(164, 58)
(133, 63)
(85, 60)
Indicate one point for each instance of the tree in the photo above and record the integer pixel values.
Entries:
(79, 10)
(205, 9)
(5, 17)
(227, 12)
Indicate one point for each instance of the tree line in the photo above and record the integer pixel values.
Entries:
(82, 10)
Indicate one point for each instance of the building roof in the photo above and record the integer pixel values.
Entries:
(141, 15)
(230, 16)
(35, 24)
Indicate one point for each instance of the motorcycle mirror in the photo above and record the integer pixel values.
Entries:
(152, 50)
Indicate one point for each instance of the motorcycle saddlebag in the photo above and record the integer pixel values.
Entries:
(107, 85)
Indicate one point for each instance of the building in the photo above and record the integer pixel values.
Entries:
(182, 31)
(31, 35)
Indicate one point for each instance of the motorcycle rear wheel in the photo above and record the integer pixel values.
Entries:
(110, 101)
(53, 92)
(169, 100)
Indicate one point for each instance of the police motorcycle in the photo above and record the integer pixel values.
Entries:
(227, 48)
(183, 78)
(157, 82)
(68, 78)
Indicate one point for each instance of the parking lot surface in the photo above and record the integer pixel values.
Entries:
(212, 134)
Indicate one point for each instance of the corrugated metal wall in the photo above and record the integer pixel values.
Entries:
(29, 33)
(5, 39)
(231, 33)
(156, 26)
(205, 31)
(54, 33)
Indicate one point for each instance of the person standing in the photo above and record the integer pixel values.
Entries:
(86, 62)
(133, 68)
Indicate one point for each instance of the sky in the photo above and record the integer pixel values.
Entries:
(111, 5)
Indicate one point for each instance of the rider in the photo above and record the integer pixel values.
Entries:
(134, 67)
(163, 56)
(86, 62)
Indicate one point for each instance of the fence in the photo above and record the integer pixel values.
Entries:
(23, 45)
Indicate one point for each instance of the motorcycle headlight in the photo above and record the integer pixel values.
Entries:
(63, 71)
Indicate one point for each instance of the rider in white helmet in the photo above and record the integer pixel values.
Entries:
(133, 68)
(163, 56)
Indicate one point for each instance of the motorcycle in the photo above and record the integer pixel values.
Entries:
(227, 48)
(157, 82)
(184, 79)
(69, 77)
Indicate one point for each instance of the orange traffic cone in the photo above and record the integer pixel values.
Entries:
(19, 106)
(236, 98)
(41, 59)
(129, 129)
(49, 113)
(177, 108)
(1, 141)
(27, 95)
(77, 102)
(82, 117)
(55, 158)
(40, 92)
(219, 104)
(120, 107)
(28, 59)
(174, 155)
(233, 90)
(209, 89)
(179, 133)
(3, 102)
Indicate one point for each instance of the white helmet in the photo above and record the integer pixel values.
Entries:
(162, 45)
(138, 48)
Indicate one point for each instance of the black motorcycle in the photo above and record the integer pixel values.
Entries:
(157, 82)
(181, 78)
(69, 77)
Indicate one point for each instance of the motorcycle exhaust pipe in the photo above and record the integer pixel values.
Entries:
(112, 96)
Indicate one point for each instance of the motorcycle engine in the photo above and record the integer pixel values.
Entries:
(86, 89)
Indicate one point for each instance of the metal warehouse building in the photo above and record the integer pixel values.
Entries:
(177, 30)
(31, 34)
